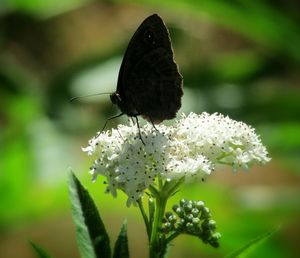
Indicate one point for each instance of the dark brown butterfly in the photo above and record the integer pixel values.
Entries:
(149, 83)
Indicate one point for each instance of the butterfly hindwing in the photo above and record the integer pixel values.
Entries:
(155, 86)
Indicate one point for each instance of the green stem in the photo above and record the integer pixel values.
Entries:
(146, 221)
(158, 244)
(157, 247)
(224, 155)
(160, 183)
(172, 237)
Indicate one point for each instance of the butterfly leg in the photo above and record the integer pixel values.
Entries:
(110, 118)
(138, 125)
(154, 125)
(132, 120)
(120, 135)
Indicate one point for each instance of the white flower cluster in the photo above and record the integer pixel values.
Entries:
(191, 148)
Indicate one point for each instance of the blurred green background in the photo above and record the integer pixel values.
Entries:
(240, 58)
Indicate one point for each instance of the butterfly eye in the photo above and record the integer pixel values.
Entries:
(149, 37)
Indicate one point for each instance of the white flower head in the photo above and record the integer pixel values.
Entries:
(191, 148)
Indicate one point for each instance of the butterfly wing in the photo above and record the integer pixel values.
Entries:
(156, 86)
(149, 82)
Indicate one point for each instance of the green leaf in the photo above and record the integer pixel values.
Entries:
(250, 246)
(92, 237)
(41, 253)
(121, 249)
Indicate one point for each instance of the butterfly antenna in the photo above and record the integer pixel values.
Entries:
(86, 96)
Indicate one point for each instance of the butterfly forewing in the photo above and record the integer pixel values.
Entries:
(149, 82)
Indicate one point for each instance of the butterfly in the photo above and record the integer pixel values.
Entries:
(149, 83)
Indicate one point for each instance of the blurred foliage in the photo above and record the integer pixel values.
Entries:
(40, 8)
(240, 58)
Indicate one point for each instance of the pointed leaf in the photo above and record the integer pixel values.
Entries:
(41, 253)
(250, 246)
(92, 238)
(121, 249)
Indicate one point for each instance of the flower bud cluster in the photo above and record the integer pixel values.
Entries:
(193, 218)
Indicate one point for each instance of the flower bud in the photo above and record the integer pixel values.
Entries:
(187, 207)
(172, 219)
(183, 202)
(189, 217)
(199, 205)
(205, 213)
(195, 221)
(168, 214)
(195, 212)
(175, 207)
(180, 212)
(189, 226)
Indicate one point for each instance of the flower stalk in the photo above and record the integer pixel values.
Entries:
(145, 218)
(157, 241)
(157, 245)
